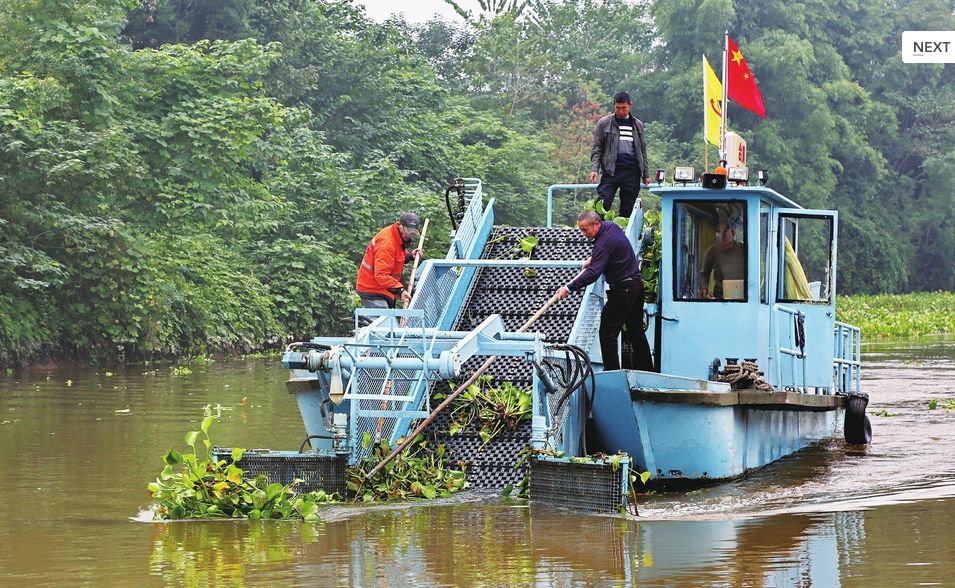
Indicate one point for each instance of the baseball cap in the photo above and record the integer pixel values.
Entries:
(410, 220)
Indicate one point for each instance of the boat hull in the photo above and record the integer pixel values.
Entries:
(706, 432)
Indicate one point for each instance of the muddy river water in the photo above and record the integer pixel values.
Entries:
(78, 446)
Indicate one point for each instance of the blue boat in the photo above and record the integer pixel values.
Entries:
(744, 377)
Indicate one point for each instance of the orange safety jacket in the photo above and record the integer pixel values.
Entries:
(382, 264)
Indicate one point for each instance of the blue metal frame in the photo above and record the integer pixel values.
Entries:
(387, 365)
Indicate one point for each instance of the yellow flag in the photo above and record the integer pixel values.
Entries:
(713, 107)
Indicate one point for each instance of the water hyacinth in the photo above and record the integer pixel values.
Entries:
(493, 408)
(899, 315)
(420, 471)
(191, 487)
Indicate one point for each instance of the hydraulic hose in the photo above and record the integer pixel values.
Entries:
(457, 184)
(581, 369)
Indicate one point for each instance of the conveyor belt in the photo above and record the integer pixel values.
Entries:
(516, 297)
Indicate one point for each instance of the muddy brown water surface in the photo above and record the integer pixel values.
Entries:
(78, 446)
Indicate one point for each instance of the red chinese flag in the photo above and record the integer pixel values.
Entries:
(740, 83)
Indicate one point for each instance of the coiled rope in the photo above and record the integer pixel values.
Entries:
(744, 376)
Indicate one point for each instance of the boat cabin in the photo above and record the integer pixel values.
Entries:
(745, 273)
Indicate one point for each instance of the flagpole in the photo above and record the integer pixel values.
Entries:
(706, 144)
(725, 115)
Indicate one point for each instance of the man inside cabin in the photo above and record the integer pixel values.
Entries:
(620, 154)
(613, 257)
(725, 259)
(379, 275)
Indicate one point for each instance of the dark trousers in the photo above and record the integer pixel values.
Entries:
(628, 181)
(624, 306)
(373, 301)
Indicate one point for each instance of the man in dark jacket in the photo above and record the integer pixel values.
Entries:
(620, 154)
(613, 257)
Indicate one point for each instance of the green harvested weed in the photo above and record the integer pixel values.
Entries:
(420, 471)
(492, 408)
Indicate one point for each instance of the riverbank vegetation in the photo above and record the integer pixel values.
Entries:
(899, 315)
(186, 178)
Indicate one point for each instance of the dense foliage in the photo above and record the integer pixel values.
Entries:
(420, 470)
(905, 315)
(182, 177)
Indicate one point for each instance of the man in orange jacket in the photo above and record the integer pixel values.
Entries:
(379, 275)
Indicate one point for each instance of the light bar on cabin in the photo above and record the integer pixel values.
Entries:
(762, 176)
(684, 174)
(737, 174)
(661, 175)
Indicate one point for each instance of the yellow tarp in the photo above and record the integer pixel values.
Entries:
(795, 284)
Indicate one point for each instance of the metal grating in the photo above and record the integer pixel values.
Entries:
(432, 291)
(516, 297)
(386, 385)
(589, 322)
(486, 466)
(317, 472)
(435, 285)
(589, 487)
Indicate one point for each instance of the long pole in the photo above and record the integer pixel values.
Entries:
(706, 144)
(401, 323)
(414, 268)
(447, 401)
(726, 36)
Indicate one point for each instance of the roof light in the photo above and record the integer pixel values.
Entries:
(684, 174)
(661, 175)
(762, 177)
(738, 175)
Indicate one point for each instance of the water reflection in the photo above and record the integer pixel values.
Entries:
(503, 543)
(78, 456)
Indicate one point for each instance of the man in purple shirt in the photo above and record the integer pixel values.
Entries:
(613, 257)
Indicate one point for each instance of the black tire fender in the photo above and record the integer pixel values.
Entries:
(858, 429)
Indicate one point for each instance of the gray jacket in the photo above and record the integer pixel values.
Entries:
(603, 153)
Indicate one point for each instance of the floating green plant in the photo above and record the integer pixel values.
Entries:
(191, 486)
(528, 243)
(899, 315)
(947, 404)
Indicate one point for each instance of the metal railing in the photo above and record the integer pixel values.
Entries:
(847, 358)
(436, 284)
(550, 197)
(432, 291)
(791, 350)
(383, 397)
(467, 231)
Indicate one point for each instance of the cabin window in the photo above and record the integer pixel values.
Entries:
(806, 259)
(710, 243)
